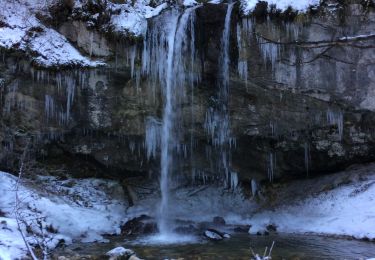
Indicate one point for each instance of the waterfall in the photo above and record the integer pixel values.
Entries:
(168, 61)
(217, 123)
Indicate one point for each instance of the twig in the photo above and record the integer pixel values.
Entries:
(17, 203)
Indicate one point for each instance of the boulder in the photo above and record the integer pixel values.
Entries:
(242, 229)
(120, 253)
(212, 234)
(139, 225)
(219, 221)
(272, 228)
(215, 235)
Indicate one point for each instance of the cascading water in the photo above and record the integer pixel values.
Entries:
(165, 62)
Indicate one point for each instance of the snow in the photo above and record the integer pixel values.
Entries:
(23, 31)
(300, 5)
(11, 243)
(189, 3)
(76, 209)
(55, 50)
(347, 210)
(133, 19)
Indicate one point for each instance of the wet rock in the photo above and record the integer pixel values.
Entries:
(186, 229)
(226, 235)
(215, 235)
(271, 228)
(242, 229)
(120, 253)
(263, 233)
(219, 221)
(139, 225)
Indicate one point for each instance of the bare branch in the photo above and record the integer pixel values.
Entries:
(18, 206)
(343, 41)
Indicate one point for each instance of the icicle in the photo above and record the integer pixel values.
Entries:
(70, 90)
(307, 158)
(242, 56)
(270, 51)
(132, 56)
(49, 107)
(273, 129)
(336, 118)
(254, 187)
(271, 166)
(91, 42)
(233, 180)
(153, 137)
(132, 146)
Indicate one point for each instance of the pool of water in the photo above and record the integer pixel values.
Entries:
(238, 247)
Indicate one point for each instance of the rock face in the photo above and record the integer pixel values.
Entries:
(301, 100)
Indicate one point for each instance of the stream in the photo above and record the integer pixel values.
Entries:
(287, 246)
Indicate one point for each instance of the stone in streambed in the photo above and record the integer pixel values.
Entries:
(271, 228)
(242, 229)
(215, 235)
(212, 235)
(139, 226)
(120, 253)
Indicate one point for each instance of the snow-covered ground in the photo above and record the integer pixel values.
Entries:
(69, 210)
(336, 204)
(84, 210)
(346, 208)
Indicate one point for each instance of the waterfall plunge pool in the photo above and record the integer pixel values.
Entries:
(287, 246)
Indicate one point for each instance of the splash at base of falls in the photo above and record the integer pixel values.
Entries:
(168, 239)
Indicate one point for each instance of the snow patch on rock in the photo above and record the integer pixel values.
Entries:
(133, 18)
(47, 48)
(300, 5)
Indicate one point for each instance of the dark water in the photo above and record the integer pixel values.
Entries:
(238, 247)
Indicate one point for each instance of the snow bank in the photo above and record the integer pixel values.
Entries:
(347, 210)
(69, 210)
(11, 243)
(299, 5)
(23, 31)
